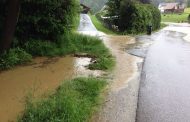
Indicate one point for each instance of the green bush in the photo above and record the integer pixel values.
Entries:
(13, 57)
(41, 48)
(156, 16)
(134, 17)
(45, 19)
(188, 18)
(130, 16)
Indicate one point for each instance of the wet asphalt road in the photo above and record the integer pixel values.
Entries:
(164, 94)
(87, 27)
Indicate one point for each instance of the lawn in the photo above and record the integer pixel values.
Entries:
(176, 17)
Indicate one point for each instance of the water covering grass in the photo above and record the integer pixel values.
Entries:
(92, 46)
(71, 43)
(74, 101)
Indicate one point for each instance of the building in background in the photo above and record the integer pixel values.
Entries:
(171, 7)
(85, 9)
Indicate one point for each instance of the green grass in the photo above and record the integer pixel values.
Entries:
(71, 43)
(93, 46)
(176, 17)
(14, 57)
(74, 101)
(100, 26)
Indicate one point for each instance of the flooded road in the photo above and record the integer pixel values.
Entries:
(164, 91)
(87, 27)
(121, 101)
(121, 98)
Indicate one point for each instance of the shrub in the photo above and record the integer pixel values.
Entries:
(134, 17)
(45, 19)
(188, 18)
(13, 57)
(156, 16)
(41, 48)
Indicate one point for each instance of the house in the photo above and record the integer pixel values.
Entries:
(171, 7)
(85, 9)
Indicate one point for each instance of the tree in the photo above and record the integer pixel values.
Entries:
(10, 21)
(113, 7)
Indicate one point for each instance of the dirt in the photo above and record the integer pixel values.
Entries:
(42, 76)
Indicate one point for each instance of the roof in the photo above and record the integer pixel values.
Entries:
(85, 6)
(168, 5)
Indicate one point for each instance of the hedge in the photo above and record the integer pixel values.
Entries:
(45, 19)
(134, 17)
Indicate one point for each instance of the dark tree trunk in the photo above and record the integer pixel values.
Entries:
(12, 9)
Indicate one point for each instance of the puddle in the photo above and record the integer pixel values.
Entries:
(81, 65)
(140, 47)
(39, 77)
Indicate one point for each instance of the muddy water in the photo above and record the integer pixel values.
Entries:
(41, 76)
(121, 101)
(125, 66)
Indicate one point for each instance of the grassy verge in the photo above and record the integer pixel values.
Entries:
(176, 17)
(100, 26)
(14, 57)
(74, 101)
(69, 43)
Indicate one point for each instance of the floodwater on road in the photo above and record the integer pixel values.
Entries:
(43, 75)
(87, 27)
(164, 91)
(121, 102)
